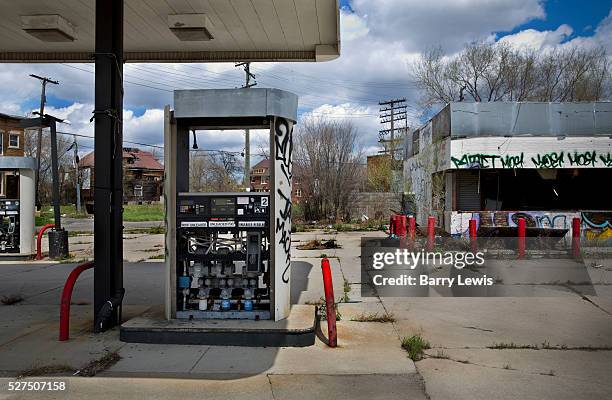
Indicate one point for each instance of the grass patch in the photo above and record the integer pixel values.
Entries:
(143, 212)
(131, 213)
(158, 257)
(101, 364)
(346, 289)
(45, 370)
(415, 346)
(12, 299)
(382, 318)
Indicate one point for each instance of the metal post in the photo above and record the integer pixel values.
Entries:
(576, 238)
(431, 232)
(473, 233)
(108, 191)
(43, 99)
(55, 175)
(76, 170)
(522, 229)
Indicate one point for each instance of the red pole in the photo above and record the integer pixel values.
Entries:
(411, 227)
(329, 303)
(431, 232)
(64, 333)
(411, 231)
(521, 237)
(39, 240)
(576, 238)
(401, 222)
(392, 225)
(473, 242)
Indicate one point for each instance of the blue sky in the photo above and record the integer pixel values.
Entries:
(583, 16)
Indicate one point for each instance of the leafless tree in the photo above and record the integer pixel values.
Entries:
(65, 164)
(329, 158)
(214, 172)
(498, 72)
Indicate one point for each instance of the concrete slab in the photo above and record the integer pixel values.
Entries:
(481, 322)
(587, 366)
(156, 359)
(296, 330)
(353, 387)
(103, 388)
(447, 379)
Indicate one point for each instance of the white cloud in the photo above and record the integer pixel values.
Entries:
(419, 24)
(538, 40)
(353, 25)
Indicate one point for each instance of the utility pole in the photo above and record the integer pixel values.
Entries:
(393, 111)
(75, 147)
(43, 99)
(247, 139)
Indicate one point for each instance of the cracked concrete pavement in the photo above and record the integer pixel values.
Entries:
(369, 363)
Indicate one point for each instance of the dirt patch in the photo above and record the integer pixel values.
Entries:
(101, 364)
(319, 245)
(12, 299)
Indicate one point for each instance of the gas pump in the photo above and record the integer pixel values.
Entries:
(223, 255)
(228, 254)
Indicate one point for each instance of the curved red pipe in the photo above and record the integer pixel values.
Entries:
(64, 331)
(330, 304)
(39, 240)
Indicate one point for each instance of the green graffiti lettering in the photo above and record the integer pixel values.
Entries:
(549, 160)
(607, 160)
(585, 159)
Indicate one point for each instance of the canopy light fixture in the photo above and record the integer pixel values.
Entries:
(190, 27)
(48, 28)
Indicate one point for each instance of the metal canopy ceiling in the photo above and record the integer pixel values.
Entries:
(247, 30)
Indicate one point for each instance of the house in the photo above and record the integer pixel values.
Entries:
(11, 145)
(142, 176)
(17, 189)
(260, 181)
(500, 161)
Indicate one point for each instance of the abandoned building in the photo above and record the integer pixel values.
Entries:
(260, 180)
(142, 176)
(496, 162)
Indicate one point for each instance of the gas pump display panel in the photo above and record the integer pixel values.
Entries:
(9, 226)
(223, 256)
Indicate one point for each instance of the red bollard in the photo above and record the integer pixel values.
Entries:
(39, 240)
(392, 220)
(473, 229)
(329, 303)
(401, 226)
(64, 332)
(521, 237)
(431, 232)
(411, 232)
(411, 227)
(576, 238)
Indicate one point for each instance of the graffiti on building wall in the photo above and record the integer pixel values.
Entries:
(552, 159)
(597, 225)
(594, 224)
(509, 219)
(283, 145)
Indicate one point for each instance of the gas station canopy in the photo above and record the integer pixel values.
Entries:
(174, 30)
